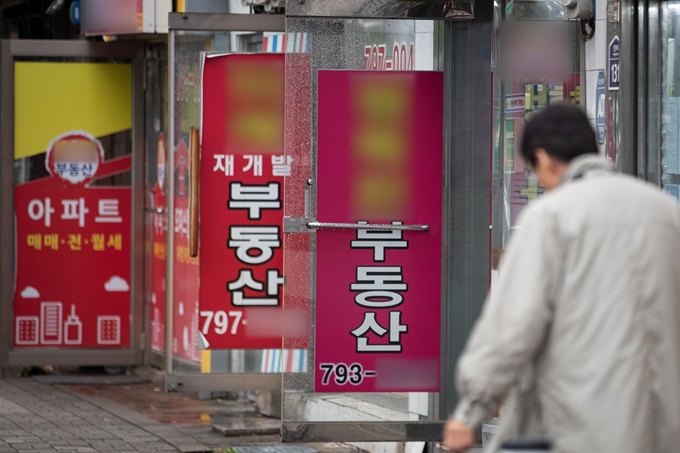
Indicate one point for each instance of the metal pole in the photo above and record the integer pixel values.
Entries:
(169, 211)
(6, 203)
(137, 302)
(625, 127)
(467, 196)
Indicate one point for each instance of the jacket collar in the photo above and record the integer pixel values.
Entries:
(587, 163)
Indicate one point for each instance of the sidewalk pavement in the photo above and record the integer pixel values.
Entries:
(36, 417)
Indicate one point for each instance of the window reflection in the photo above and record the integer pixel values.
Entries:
(670, 101)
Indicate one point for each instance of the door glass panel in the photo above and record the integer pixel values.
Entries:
(328, 44)
(553, 45)
(156, 128)
(190, 352)
(186, 97)
(670, 97)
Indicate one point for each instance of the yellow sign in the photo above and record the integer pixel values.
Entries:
(51, 98)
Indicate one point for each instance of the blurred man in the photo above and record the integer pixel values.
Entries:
(581, 337)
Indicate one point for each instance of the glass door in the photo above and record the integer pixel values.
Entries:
(73, 175)
(208, 330)
(364, 130)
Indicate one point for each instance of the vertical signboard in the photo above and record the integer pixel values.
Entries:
(73, 251)
(614, 56)
(241, 204)
(601, 108)
(378, 291)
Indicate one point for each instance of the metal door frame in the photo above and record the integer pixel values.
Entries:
(186, 382)
(648, 88)
(624, 17)
(468, 135)
(10, 357)
(636, 105)
(152, 357)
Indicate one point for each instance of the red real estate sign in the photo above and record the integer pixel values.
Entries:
(379, 291)
(241, 205)
(73, 251)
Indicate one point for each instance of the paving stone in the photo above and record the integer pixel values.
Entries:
(40, 418)
(37, 418)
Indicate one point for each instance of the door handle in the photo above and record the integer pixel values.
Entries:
(194, 171)
(365, 226)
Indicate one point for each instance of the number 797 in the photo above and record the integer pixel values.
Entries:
(219, 321)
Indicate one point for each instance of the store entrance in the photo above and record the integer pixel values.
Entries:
(71, 160)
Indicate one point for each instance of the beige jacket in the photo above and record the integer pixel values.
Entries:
(581, 336)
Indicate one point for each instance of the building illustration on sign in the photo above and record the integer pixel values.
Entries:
(73, 328)
(54, 328)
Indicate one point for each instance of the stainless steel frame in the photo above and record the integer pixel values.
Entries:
(169, 213)
(138, 182)
(12, 49)
(642, 55)
(364, 226)
(624, 103)
(227, 22)
(467, 194)
(649, 95)
(382, 9)
(224, 382)
(654, 123)
(637, 105)
(6, 202)
(362, 432)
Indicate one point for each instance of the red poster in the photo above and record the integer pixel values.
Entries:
(378, 291)
(73, 251)
(185, 287)
(241, 204)
(160, 229)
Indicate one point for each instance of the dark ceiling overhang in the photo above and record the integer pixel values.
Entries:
(4, 4)
(398, 9)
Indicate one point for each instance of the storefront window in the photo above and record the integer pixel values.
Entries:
(670, 99)
(538, 64)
